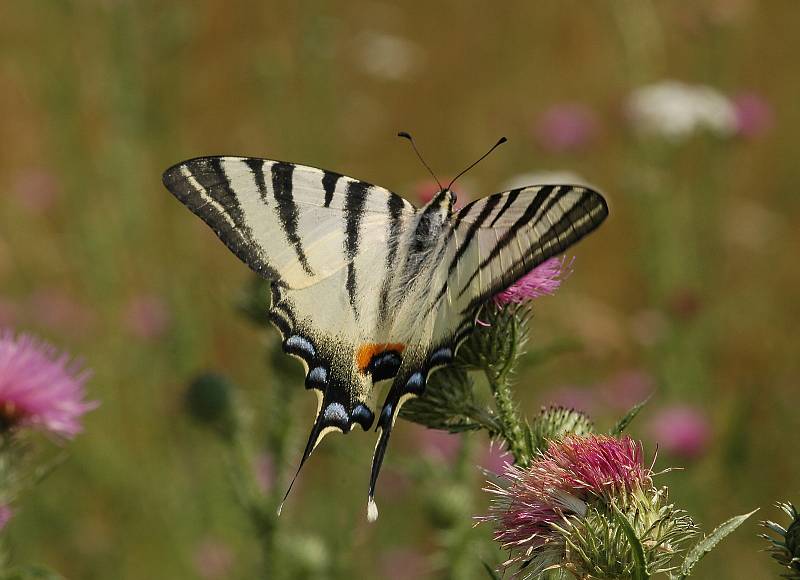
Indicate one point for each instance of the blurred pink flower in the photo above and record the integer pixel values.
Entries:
(213, 559)
(439, 445)
(40, 387)
(566, 127)
(627, 388)
(561, 481)
(55, 310)
(754, 115)
(682, 430)
(6, 513)
(146, 316)
(403, 564)
(496, 458)
(543, 280)
(265, 472)
(36, 189)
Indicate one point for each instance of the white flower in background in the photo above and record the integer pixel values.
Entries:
(387, 56)
(675, 110)
(565, 177)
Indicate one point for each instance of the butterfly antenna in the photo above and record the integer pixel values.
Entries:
(482, 157)
(408, 136)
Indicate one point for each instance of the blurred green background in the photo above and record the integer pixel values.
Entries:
(689, 289)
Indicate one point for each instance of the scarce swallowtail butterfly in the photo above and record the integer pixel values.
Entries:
(365, 286)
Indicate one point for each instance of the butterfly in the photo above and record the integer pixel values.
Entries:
(365, 286)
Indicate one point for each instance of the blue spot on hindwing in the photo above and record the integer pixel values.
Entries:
(336, 414)
(415, 384)
(299, 346)
(363, 416)
(317, 378)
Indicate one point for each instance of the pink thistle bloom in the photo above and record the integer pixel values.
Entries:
(147, 317)
(439, 445)
(753, 115)
(681, 430)
(55, 310)
(566, 127)
(6, 513)
(530, 501)
(40, 387)
(496, 458)
(543, 280)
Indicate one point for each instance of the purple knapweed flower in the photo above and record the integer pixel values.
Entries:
(681, 430)
(530, 502)
(753, 114)
(543, 280)
(40, 387)
(566, 127)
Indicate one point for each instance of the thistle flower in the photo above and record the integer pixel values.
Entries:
(785, 544)
(556, 513)
(40, 387)
(543, 280)
(754, 115)
(566, 127)
(681, 430)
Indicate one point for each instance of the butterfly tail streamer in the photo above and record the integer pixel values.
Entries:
(313, 439)
(385, 424)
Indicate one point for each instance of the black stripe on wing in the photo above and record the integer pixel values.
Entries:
(524, 220)
(287, 209)
(354, 210)
(491, 202)
(329, 181)
(203, 186)
(395, 206)
(584, 216)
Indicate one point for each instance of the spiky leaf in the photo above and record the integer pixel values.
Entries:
(710, 542)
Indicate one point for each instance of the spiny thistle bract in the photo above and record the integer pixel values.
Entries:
(785, 543)
(554, 423)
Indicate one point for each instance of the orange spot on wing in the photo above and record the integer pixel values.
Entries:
(367, 351)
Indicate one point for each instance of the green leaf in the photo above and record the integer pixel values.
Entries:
(640, 571)
(492, 574)
(623, 423)
(710, 542)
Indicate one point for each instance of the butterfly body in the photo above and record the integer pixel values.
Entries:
(366, 287)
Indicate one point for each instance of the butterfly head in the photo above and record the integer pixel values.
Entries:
(442, 202)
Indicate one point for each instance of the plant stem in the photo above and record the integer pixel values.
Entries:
(511, 428)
